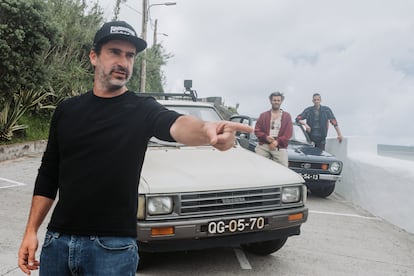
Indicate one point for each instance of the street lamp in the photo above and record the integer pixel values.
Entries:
(145, 12)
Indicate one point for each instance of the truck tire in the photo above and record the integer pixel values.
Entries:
(325, 191)
(266, 247)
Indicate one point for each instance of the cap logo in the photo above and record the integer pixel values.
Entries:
(121, 30)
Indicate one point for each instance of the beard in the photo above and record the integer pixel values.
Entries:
(111, 83)
(275, 107)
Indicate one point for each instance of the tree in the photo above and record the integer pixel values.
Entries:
(44, 47)
(25, 34)
(15, 107)
(70, 72)
(156, 58)
(117, 9)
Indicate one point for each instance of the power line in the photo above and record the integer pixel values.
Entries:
(134, 9)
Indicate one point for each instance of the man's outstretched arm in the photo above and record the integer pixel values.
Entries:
(192, 131)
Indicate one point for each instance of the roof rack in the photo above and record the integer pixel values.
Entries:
(188, 94)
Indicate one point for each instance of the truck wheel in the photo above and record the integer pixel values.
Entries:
(324, 191)
(266, 247)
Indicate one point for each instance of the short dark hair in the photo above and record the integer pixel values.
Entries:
(316, 94)
(97, 48)
(277, 94)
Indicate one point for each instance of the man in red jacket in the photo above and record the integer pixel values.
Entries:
(274, 129)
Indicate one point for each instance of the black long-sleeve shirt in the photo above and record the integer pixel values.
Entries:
(94, 157)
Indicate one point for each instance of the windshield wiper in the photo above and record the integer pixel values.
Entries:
(155, 142)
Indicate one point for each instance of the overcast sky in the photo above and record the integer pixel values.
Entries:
(359, 55)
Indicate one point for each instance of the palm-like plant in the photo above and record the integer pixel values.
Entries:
(15, 107)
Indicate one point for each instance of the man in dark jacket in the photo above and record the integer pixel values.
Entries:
(316, 120)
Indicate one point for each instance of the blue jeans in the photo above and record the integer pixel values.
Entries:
(88, 255)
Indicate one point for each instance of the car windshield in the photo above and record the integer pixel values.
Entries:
(298, 134)
(204, 113)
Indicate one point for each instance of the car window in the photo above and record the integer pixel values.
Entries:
(237, 120)
(253, 136)
(245, 121)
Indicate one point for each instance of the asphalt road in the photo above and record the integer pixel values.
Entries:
(338, 239)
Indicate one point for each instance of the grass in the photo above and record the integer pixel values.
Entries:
(37, 129)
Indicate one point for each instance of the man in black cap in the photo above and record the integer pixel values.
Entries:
(94, 156)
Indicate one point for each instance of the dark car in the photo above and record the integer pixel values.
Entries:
(319, 169)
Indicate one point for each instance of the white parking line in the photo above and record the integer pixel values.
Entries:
(344, 215)
(243, 261)
(14, 183)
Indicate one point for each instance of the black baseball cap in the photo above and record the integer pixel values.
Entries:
(118, 30)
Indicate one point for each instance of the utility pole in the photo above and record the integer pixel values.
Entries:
(145, 9)
(144, 53)
(154, 41)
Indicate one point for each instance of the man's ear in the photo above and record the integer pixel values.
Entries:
(92, 57)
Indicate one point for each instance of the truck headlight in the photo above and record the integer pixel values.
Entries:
(305, 194)
(335, 167)
(290, 194)
(160, 205)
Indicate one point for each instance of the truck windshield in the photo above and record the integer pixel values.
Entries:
(204, 113)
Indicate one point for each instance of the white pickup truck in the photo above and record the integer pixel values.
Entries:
(199, 197)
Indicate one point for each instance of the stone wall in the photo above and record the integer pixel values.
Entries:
(8, 152)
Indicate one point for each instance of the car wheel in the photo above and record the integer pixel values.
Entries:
(144, 260)
(324, 191)
(266, 247)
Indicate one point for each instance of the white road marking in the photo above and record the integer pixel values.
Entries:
(15, 183)
(243, 261)
(344, 215)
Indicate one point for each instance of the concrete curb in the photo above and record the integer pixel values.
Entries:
(9, 152)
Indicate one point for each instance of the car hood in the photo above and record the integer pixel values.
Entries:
(303, 151)
(185, 169)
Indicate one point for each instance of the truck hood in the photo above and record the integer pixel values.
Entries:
(185, 169)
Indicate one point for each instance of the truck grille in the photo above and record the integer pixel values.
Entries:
(230, 201)
(306, 165)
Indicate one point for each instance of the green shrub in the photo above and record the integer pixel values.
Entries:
(37, 128)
